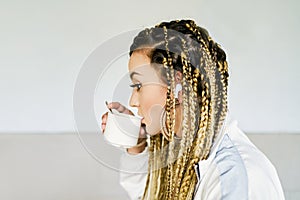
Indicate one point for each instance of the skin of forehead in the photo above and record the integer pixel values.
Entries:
(140, 63)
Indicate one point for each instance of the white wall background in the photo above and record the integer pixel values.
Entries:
(43, 45)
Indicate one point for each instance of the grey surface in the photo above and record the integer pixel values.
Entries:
(57, 167)
(53, 167)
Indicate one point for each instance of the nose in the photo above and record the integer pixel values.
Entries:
(134, 101)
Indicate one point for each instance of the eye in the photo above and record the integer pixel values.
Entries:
(137, 85)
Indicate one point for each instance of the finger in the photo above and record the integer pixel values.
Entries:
(104, 117)
(143, 133)
(119, 107)
(103, 123)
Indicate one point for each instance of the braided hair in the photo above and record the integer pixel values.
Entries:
(181, 45)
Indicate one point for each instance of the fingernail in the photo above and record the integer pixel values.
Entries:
(108, 106)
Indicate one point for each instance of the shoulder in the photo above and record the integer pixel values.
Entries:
(238, 170)
(233, 175)
(244, 171)
(263, 180)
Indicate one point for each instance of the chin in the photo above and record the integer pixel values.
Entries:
(151, 127)
(152, 130)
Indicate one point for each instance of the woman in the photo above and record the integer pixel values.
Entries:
(180, 80)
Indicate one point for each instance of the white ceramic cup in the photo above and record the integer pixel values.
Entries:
(122, 130)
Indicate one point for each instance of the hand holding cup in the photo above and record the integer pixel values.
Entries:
(123, 129)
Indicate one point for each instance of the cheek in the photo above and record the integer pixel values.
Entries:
(152, 102)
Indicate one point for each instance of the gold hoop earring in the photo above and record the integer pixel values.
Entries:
(164, 129)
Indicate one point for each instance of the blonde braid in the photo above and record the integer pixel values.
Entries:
(170, 78)
(199, 142)
(170, 120)
(209, 68)
(220, 74)
(190, 174)
(150, 164)
(187, 136)
(192, 97)
(179, 169)
(154, 170)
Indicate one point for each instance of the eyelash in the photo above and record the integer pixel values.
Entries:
(137, 85)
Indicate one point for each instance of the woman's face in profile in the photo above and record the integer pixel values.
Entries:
(149, 92)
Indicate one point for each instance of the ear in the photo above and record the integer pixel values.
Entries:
(178, 77)
(180, 96)
(178, 80)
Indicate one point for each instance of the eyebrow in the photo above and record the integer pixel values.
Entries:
(134, 73)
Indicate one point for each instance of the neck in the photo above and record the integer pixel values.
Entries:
(178, 121)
